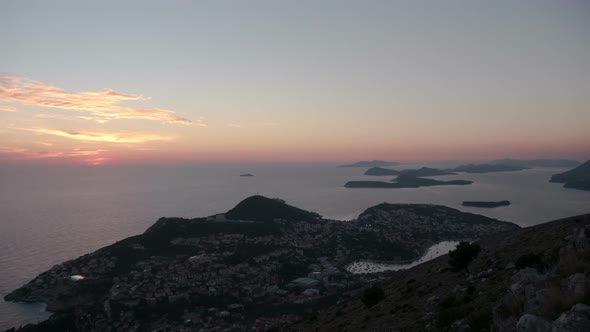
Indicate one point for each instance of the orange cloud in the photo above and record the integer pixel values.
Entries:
(101, 105)
(101, 136)
(7, 108)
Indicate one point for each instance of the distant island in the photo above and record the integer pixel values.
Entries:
(371, 163)
(424, 171)
(538, 162)
(485, 204)
(405, 181)
(577, 178)
(247, 174)
(264, 262)
(488, 168)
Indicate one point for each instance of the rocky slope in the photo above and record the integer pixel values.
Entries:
(533, 279)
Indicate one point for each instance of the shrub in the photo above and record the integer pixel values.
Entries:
(373, 295)
(463, 255)
(480, 320)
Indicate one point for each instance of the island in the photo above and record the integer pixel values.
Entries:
(262, 264)
(485, 204)
(577, 178)
(405, 181)
(371, 163)
(246, 175)
(488, 168)
(538, 162)
(380, 171)
(424, 171)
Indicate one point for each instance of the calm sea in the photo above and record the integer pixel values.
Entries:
(51, 214)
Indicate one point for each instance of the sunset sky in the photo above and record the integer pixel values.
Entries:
(110, 82)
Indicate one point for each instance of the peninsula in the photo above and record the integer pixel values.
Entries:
(264, 264)
(577, 178)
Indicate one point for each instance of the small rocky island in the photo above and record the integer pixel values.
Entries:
(424, 171)
(405, 181)
(485, 204)
(577, 178)
(261, 266)
(246, 175)
(371, 163)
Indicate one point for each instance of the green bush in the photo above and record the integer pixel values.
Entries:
(463, 255)
(372, 295)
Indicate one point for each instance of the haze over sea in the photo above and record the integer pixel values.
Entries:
(54, 213)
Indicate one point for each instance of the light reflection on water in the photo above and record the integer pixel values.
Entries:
(439, 249)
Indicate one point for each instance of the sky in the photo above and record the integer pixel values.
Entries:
(110, 82)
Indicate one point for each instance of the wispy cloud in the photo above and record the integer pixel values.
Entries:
(201, 122)
(100, 136)
(7, 108)
(10, 150)
(22, 153)
(235, 125)
(100, 105)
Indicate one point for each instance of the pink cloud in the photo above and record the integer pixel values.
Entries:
(100, 106)
(100, 136)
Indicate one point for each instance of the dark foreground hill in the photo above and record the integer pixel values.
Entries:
(533, 279)
(262, 265)
(577, 178)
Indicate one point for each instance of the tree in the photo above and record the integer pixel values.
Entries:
(463, 255)
(372, 295)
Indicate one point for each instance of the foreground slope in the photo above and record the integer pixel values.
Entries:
(264, 263)
(536, 279)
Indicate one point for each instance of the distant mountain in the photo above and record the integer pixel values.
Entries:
(577, 178)
(371, 163)
(424, 171)
(488, 168)
(260, 208)
(538, 162)
(404, 181)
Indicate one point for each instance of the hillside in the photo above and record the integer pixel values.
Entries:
(536, 278)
